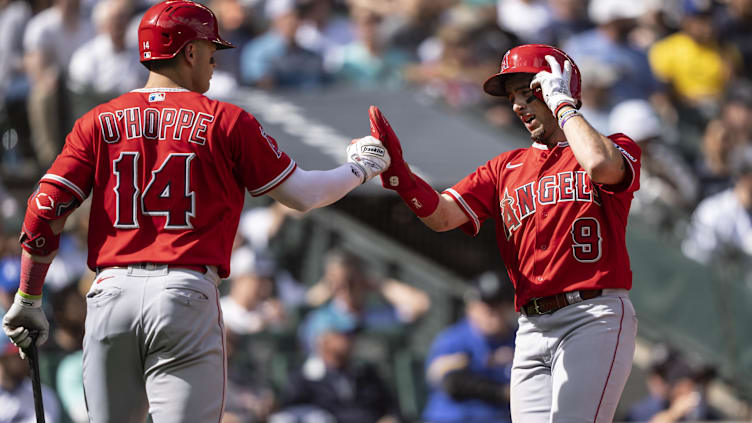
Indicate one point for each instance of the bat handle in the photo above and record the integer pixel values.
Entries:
(36, 384)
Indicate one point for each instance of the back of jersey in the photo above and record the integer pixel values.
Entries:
(167, 169)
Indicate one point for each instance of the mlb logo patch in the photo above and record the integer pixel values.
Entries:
(147, 55)
(156, 97)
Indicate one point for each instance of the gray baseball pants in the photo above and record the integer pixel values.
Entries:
(571, 366)
(154, 344)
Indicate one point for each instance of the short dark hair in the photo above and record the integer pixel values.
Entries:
(157, 65)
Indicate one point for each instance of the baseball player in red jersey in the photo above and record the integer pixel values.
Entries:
(167, 169)
(560, 208)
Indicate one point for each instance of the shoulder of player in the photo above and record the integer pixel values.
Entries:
(508, 157)
(626, 145)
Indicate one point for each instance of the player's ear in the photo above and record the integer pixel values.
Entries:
(189, 52)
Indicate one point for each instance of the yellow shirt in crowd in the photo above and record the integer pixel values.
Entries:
(697, 72)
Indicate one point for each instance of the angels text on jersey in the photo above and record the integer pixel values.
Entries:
(523, 201)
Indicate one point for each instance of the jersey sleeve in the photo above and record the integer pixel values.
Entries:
(476, 194)
(74, 167)
(259, 162)
(632, 157)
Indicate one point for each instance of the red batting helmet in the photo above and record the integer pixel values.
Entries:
(168, 26)
(531, 58)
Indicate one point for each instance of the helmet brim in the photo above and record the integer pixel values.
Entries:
(494, 85)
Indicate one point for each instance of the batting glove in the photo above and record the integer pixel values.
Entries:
(398, 175)
(555, 85)
(369, 156)
(414, 191)
(24, 316)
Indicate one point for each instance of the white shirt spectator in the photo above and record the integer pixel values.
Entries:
(13, 19)
(18, 405)
(47, 33)
(525, 19)
(96, 66)
(720, 225)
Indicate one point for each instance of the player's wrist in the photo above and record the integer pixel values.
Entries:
(27, 300)
(420, 197)
(566, 115)
(32, 277)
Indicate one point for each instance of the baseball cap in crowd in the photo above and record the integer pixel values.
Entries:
(697, 7)
(605, 11)
(245, 261)
(635, 118)
(491, 288)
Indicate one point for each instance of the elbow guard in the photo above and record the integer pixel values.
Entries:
(48, 203)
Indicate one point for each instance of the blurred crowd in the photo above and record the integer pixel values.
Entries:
(673, 75)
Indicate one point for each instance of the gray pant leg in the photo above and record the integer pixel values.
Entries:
(112, 367)
(184, 362)
(592, 363)
(530, 385)
(572, 365)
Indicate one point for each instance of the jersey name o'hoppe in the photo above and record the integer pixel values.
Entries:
(550, 189)
(152, 123)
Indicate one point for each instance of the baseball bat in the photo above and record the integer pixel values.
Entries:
(36, 384)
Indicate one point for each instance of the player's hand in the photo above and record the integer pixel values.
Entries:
(398, 175)
(369, 156)
(555, 85)
(23, 317)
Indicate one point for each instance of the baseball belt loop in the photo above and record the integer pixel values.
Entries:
(535, 305)
(574, 297)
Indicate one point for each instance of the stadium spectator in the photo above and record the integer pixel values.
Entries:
(468, 367)
(568, 17)
(721, 226)
(668, 186)
(715, 165)
(16, 394)
(274, 59)
(14, 14)
(324, 28)
(734, 23)
(368, 61)
(251, 307)
(598, 79)
(69, 384)
(236, 24)
(346, 297)
(50, 40)
(456, 60)
(736, 111)
(105, 66)
(678, 58)
(331, 387)
(609, 43)
(410, 21)
(249, 395)
(537, 16)
(676, 390)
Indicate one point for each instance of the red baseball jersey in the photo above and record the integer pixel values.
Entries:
(557, 231)
(168, 170)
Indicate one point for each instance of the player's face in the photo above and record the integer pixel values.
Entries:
(204, 65)
(533, 113)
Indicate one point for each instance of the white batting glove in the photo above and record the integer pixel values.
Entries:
(368, 156)
(555, 85)
(25, 315)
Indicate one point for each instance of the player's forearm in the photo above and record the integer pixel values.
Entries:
(593, 151)
(34, 267)
(447, 216)
(305, 190)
